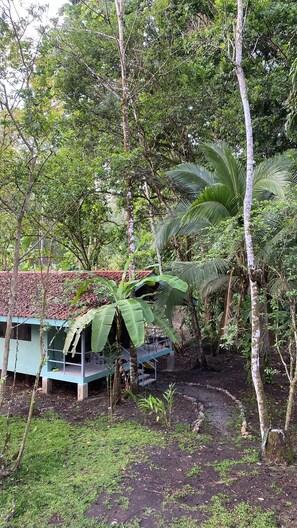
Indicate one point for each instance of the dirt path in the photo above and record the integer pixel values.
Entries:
(218, 410)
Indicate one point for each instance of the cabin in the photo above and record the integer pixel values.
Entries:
(46, 298)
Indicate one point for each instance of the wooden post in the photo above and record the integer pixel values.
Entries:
(170, 360)
(82, 391)
(47, 385)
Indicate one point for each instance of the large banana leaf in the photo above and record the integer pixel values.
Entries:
(110, 284)
(147, 311)
(174, 282)
(161, 321)
(132, 314)
(81, 290)
(101, 325)
(167, 299)
(76, 328)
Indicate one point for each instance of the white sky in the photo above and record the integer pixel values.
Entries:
(53, 5)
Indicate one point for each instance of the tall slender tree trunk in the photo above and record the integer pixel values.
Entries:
(143, 144)
(120, 8)
(200, 358)
(116, 389)
(133, 369)
(153, 224)
(252, 272)
(293, 368)
(126, 130)
(33, 398)
(14, 281)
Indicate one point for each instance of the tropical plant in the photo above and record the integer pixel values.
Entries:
(213, 196)
(123, 308)
(161, 408)
(215, 199)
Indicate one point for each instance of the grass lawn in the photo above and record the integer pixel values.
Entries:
(66, 467)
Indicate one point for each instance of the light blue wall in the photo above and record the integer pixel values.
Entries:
(28, 353)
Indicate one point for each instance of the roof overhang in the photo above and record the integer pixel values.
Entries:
(34, 321)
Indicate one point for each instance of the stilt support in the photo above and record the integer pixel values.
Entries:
(170, 361)
(82, 391)
(47, 385)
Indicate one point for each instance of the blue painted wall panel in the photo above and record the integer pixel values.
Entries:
(28, 353)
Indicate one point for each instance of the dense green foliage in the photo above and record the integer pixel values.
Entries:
(182, 92)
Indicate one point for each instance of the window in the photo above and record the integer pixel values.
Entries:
(22, 332)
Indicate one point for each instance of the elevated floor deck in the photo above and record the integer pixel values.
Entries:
(94, 366)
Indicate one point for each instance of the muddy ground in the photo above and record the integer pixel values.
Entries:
(176, 482)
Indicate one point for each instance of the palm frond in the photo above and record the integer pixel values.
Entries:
(216, 284)
(209, 213)
(281, 235)
(171, 225)
(273, 175)
(191, 178)
(196, 274)
(228, 169)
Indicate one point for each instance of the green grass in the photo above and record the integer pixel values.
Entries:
(194, 471)
(241, 516)
(187, 439)
(223, 467)
(66, 467)
(183, 522)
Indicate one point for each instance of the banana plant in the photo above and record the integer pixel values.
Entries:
(123, 307)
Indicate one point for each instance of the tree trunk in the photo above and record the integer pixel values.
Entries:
(11, 306)
(290, 403)
(252, 272)
(126, 130)
(277, 447)
(153, 224)
(200, 358)
(293, 369)
(116, 389)
(143, 144)
(14, 280)
(226, 314)
(133, 369)
(32, 401)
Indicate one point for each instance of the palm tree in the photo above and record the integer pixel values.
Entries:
(209, 198)
(124, 307)
(213, 196)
